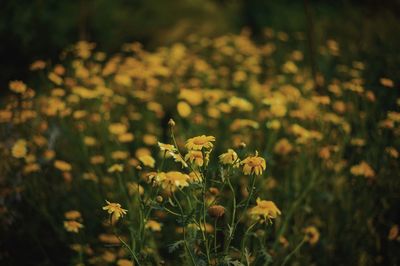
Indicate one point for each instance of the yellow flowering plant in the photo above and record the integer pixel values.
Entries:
(255, 167)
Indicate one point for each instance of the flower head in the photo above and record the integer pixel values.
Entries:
(166, 147)
(312, 234)
(62, 165)
(265, 209)
(200, 142)
(153, 225)
(196, 157)
(72, 226)
(171, 180)
(363, 169)
(115, 210)
(229, 157)
(147, 160)
(19, 149)
(17, 86)
(253, 165)
(116, 168)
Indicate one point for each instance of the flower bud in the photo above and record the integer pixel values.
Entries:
(216, 211)
(171, 122)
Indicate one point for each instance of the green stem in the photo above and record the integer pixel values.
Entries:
(288, 257)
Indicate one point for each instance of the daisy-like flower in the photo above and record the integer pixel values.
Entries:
(17, 86)
(229, 157)
(196, 157)
(115, 210)
(62, 165)
(363, 169)
(73, 215)
(200, 142)
(116, 168)
(172, 180)
(72, 226)
(147, 160)
(265, 209)
(19, 149)
(166, 147)
(312, 234)
(253, 165)
(153, 225)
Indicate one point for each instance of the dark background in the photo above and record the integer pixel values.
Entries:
(40, 29)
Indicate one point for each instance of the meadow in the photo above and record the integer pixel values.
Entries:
(209, 151)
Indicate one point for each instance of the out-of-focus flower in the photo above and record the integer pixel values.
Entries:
(72, 226)
(17, 86)
(311, 234)
(392, 152)
(386, 82)
(19, 149)
(283, 147)
(394, 232)
(62, 165)
(153, 225)
(72, 215)
(115, 210)
(216, 211)
(118, 128)
(363, 169)
(116, 168)
(184, 109)
(124, 262)
(147, 160)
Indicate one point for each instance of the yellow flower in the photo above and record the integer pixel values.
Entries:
(126, 137)
(394, 232)
(119, 155)
(283, 147)
(178, 158)
(153, 225)
(17, 86)
(171, 180)
(265, 210)
(195, 177)
(147, 160)
(72, 226)
(19, 149)
(149, 139)
(72, 215)
(115, 210)
(116, 168)
(97, 159)
(387, 82)
(392, 152)
(200, 142)
(312, 234)
(124, 262)
(62, 165)
(184, 109)
(89, 141)
(195, 157)
(362, 169)
(166, 147)
(118, 128)
(253, 165)
(230, 157)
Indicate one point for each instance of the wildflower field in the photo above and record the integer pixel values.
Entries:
(210, 151)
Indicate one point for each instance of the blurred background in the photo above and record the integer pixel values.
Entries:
(40, 29)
